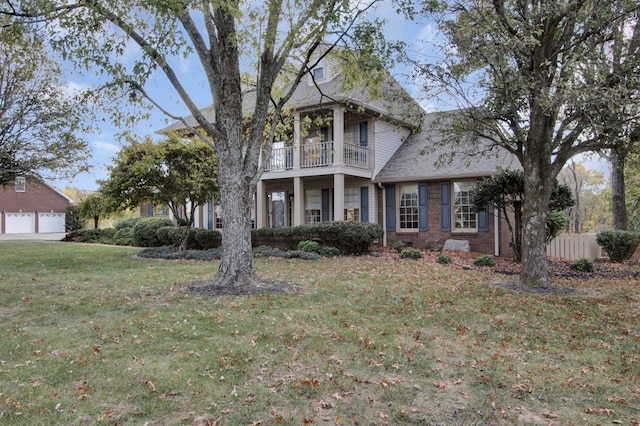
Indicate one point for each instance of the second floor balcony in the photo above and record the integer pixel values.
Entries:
(319, 154)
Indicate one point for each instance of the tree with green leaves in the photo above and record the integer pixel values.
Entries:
(177, 173)
(534, 77)
(275, 42)
(94, 207)
(505, 190)
(39, 119)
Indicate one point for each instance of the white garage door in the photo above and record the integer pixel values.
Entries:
(20, 223)
(50, 222)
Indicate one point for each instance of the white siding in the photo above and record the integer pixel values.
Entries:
(387, 139)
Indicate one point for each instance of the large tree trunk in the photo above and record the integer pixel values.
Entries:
(618, 200)
(534, 270)
(538, 186)
(236, 198)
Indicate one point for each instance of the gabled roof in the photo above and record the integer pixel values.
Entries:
(393, 102)
(424, 156)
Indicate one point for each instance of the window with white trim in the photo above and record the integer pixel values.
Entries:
(465, 217)
(312, 206)
(21, 184)
(352, 204)
(408, 206)
(318, 73)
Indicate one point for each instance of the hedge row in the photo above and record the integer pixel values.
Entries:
(346, 237)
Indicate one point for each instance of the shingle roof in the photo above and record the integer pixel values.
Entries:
(423, 156)
(395, 104)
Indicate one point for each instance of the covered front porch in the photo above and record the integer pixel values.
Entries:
(307, 200)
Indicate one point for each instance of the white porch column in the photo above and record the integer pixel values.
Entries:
(298, 201)
(261, 211)
(338, 197)
(338, 138)
(297, 141)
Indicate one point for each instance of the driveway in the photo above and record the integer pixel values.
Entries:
(54, 236)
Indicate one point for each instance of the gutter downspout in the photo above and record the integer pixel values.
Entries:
(384, 214)
(496, 231)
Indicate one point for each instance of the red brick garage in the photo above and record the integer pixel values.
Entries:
(29, 205)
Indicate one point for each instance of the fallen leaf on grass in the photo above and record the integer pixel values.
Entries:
(551, 415)
(439, 385)
(205, 421)
(606, 411)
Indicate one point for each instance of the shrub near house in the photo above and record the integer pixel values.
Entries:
(330, 238)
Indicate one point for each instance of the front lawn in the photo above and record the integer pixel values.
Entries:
(94, 335)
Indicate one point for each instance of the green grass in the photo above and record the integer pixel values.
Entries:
(93, 335)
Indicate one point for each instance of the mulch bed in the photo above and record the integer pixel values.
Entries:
(558, 268)
(206, 288)
(603, 268)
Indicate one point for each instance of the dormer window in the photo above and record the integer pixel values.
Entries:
(21, 184)
(318, 73)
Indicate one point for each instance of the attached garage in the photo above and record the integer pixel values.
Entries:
(50, 222)
(19, 223)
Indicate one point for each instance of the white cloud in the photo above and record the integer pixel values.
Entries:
(106, 147)
(72, 88)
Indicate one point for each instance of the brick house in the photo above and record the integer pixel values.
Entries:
(424, 193)
(29, 205)
(371, 159)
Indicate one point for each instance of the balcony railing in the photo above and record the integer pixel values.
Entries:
(317, 154)
(320, 154)
(281, 159)
(356, 156)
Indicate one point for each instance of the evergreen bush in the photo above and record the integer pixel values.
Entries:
(168, 236)
(399, 246)
(208, 238)
(124, 237)
(582, 265)
(72, 220)
(101, 236)
(309, 246)
(443, 259)
(172, 253)
(347, 237)
(127, 223)
(619, 245)
(485, 260)
(410, 253)
(145, 231)
(315, 247)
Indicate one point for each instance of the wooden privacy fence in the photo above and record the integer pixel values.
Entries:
(574, 246)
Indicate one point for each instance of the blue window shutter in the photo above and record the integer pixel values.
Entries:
(422, 207)
(391, 208)
(364, 134)
(445, 206)
(483, 219)
(150, 209)
(325, 205)
(364, 204)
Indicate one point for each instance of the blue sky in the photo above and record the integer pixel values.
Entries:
(104, 144)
